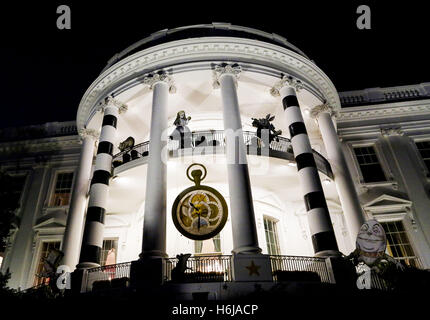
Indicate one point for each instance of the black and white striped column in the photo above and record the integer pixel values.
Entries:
(76, 216)
(94, 224)
(321, 228)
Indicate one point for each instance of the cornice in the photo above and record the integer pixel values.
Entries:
(40, 145)
(210, 49)
(384, 111)
(410, 129)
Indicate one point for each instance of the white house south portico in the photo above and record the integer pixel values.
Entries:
(255, 77)
(217, 156)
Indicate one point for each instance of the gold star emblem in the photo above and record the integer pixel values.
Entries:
(253, 268)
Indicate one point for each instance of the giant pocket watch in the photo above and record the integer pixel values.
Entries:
(199, 212)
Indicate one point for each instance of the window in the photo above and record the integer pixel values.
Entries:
(47, 247)
(209, 246)
(109, 252)
(11, 189)
(16, 188)
(63, 188)
(271, 232)
(424, 149)
(398, 245)
(370, 167)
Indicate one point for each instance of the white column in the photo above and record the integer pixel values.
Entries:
(241, 204)
(320, 225)
(75, 217)
(154, 221)
(352, 209)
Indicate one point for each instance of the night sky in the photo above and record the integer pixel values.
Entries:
(45, 71)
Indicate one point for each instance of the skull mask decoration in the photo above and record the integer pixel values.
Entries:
(371, 242)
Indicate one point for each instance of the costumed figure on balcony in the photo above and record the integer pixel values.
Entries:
(182, 133)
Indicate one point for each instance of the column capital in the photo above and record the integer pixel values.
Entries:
(160, 76)
(392, 131)
(84, 133)
(284, 82)
(224, 68)
(323, 108)
(111, 102)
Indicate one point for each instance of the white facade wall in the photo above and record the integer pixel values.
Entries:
(392, 129)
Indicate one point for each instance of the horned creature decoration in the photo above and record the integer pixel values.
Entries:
(178, 272)
(265, 124)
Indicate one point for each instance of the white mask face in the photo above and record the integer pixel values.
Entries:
(371, 241)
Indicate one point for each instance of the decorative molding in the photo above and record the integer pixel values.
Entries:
(111, 102)
(182, 53)
(83, 133)
(385, 95)
(386, 205)
(221, 69)
(286, 81)
(38, 145)
(315, 111)
(392, 131)
(386, 111)
(160, 76)
(412, 218)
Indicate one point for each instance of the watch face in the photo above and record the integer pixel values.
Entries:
(199, 213)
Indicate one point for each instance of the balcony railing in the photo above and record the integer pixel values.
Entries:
(218, 268)
(376, 282)
(299, 264)
(214, 142)
(214, 268)
(202, 269)
(119, 273)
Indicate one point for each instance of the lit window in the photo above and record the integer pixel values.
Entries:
(47, 247)
(398, 245)
(271, 232)
(63, 188)
(109, 252)
(370, 167)
(208, 246)
(424, 149)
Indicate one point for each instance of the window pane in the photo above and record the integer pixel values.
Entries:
(109, 252)
(208, 246)
(63, 188)
(271, 236)
(369, 164)
(398, 245)
(424, 149)
(46, 248)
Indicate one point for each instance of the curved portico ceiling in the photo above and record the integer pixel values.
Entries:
(254, 56)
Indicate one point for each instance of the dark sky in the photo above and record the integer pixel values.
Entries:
(45, 71)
